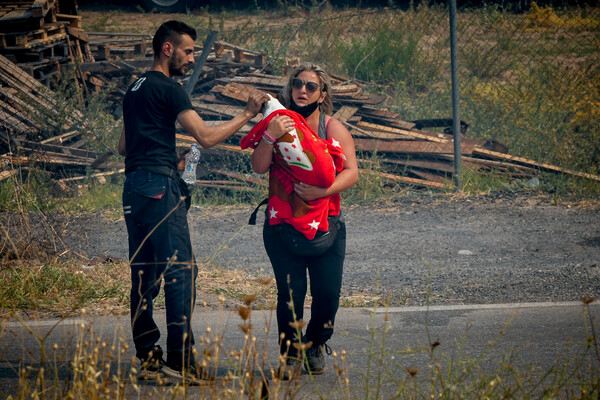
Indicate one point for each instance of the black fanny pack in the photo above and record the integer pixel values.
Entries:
(295, 240)
(298, 244)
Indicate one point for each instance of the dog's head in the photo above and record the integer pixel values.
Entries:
(270, 106)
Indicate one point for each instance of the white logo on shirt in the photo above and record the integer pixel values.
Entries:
(138, 84)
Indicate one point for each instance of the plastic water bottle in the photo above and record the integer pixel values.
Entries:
(191, 162)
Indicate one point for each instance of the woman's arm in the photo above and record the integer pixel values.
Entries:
(263, 153)
(347, 177)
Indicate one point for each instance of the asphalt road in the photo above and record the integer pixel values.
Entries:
(489, 337)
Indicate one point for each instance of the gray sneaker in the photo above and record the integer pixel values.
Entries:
(151, 370)
(315, 359)
(292, 369)
(190, 376)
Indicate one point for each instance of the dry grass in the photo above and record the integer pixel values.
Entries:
(60, 288)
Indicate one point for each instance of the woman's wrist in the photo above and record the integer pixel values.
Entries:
(268, 138)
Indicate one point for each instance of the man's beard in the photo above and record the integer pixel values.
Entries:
(173, 69)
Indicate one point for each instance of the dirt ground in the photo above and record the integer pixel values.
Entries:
(501, 248)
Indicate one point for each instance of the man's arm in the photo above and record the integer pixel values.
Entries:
(209, 136)
(122, 148)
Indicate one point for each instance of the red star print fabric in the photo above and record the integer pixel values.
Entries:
(300, 156)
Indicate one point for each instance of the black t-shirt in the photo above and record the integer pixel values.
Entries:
(150, 110)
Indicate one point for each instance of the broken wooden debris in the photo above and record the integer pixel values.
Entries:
(40, 37)
(531, 163)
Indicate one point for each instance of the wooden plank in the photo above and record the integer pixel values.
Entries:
(237, 91)
(14, 120)
(362, 133)
(440, 123)
(22, 18)
(274, 82)
(224, 110)
(347, 89)
(21, 13)
(13, 160)
(429, 136)
(59, 159)
(40, 8)
(114, 34)
(507, 166)
(61, 138)
(357, 132)
(101, 159)
(445, 163)
(97, 175)
(66, 150)
(235, 149)
(413, 181)
(385, 117)
(73, 20)
(345, 113)
(543, 166)
(185, 138)
(27, 85)
(28, 110)
(228, 185)
(7, 174)
(372, 99)
(220, 47)
(428, 176)
(433, 165)
(221, 146)
(409, 146)
(243, 177)
(78, 33)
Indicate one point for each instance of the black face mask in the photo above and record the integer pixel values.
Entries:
(306, 110)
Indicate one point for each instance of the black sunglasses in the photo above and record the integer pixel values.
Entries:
(311, 87)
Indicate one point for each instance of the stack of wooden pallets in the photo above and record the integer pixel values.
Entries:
(41, 39)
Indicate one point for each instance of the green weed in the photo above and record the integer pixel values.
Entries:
(27, 191)
(58, 288)
(95, 196)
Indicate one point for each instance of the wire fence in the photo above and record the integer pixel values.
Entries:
(529, 82)
(529, 87)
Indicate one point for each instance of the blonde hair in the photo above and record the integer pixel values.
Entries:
(326, 106)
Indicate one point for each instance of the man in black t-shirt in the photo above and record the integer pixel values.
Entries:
(153, 201)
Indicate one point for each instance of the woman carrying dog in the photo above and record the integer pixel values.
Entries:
(306, 92)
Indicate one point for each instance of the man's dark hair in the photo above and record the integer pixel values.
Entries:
(171, 31)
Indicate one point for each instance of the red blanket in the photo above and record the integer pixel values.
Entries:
(300, 156)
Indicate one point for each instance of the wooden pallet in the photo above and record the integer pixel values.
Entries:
(26, 15)
(48, 34)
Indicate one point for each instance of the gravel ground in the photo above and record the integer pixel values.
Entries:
(500, 248)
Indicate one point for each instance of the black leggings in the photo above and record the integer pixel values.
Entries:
(325, 273)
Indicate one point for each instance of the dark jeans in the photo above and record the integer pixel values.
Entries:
(290, 270)
(159, 248)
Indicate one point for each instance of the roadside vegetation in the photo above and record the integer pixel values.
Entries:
(99, 367)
